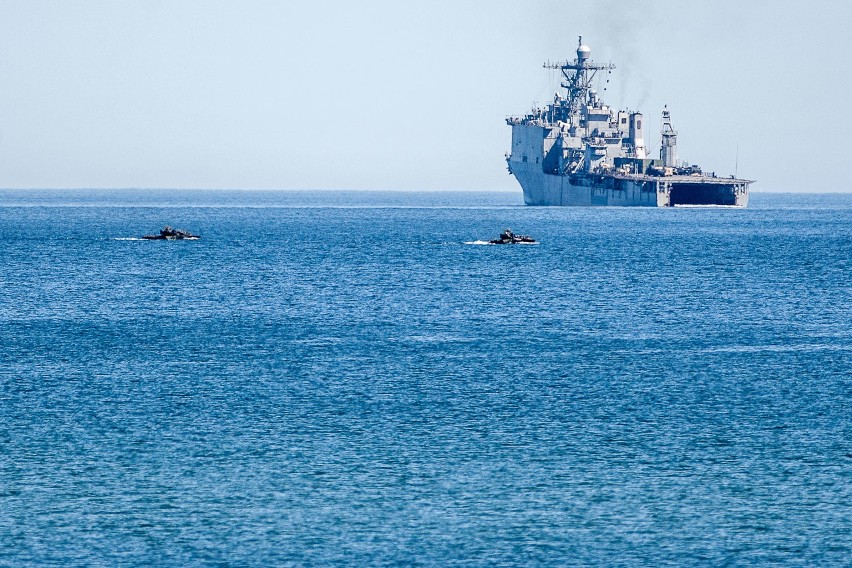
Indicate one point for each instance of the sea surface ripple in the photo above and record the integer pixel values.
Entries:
(339, 379)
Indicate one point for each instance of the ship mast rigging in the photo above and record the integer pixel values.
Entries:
(578, 76)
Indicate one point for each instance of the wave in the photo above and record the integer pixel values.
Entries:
(489, 243)
(706, 206)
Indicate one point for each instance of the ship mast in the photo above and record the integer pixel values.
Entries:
(578, 76)
(668, 149)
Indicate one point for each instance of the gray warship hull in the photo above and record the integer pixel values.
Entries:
(542, 189)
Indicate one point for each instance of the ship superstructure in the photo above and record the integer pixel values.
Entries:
(579, 151)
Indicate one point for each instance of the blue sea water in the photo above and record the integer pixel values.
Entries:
(342, 378)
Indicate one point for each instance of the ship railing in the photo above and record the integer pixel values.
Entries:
(531, 120)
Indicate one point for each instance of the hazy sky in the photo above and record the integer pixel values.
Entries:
(390, 94)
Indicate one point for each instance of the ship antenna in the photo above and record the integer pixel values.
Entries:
(737, 163)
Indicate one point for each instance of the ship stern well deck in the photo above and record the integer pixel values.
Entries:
(691, 193)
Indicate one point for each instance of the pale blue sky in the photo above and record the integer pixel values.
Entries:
(381, 94)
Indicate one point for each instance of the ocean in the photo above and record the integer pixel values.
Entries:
(348, 378)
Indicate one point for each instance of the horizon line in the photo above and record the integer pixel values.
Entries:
(130, 188)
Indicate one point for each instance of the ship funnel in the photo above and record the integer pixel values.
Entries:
(636, 135)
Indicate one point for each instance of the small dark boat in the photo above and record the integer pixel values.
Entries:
(169, 234)
(507, 237)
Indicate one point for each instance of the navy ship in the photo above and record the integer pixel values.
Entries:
(579, 151)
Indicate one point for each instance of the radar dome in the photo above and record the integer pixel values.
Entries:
(583, 52)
